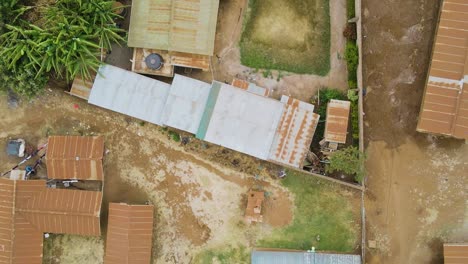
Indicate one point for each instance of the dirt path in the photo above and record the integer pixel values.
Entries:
(303, 87)
(416, 196)
(198, 204)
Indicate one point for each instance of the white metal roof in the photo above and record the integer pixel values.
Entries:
(129, 93)
(186, 103)
(243, 121)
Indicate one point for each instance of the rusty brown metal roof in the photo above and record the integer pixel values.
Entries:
(28, 209)
(253, 211)
(295, 132)
(75, 157)
(81, 87)
(129, 234)
(455, 253)
(336, 127)
(445, 105)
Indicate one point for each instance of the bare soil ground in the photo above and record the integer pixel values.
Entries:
(199, 195)
(416, 197)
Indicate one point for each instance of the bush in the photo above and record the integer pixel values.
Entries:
(22, 81)
(348, 160)
(174, 136)
(352, 60)
(350, 32)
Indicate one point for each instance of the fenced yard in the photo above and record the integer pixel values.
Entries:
(287, 35)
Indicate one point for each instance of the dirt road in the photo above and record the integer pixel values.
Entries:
(416, 197)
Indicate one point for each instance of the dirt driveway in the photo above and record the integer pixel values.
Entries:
(416, 197)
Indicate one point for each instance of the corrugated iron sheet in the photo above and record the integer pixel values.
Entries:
(186, 103)
(250, 87)
(129, 93)
(336, 127)
(82, 88)
(445, 104)
(75, 157)
(295, 132)
(29, 209)
(279, 256)
(243, 121)
(456, 253)
(129, 234)
(175, 25)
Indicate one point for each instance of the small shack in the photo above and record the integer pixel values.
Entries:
(129, 234)
(336, 126)
(282, 256)
(75, 157)
(253, 211)
(172, 33)
(444, 108)
(455, 253)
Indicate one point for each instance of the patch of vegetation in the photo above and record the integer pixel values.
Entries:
(322, 218)
(67, 41)
(227, 255)
(354, 98)
(351, 8)
(352, 60)
(325, 95)
(174, 136)
(348, 160)
(298, 40)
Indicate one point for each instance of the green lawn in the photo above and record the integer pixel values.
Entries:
(319, 210)
(226, 255)
(287, 35)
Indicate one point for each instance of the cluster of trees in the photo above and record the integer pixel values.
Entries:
(66, 41)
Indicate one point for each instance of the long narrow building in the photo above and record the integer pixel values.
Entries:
(444, 109)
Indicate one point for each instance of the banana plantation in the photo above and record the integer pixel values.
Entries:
(67, 40)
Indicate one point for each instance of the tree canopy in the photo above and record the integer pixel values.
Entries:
(348, 160)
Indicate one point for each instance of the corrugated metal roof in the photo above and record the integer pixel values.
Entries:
(186, 103)
(445, 105)
(129, 93)
(29, 209)
(295, 132)
(243, 121)
(250, 87)
(176, 25)
(129, 234)
(81, 88)
(75, 157)
(300, 257)
(456, 253)
(336, 127)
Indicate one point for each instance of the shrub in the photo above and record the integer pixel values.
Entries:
(351, 8)
(350, 32)
(348, 160)
(22, 81)
(174, 136)
(352, 60)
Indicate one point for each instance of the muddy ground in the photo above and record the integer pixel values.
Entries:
(416, 197)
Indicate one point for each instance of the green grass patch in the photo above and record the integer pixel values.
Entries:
(226, 255)
(352, 60)
(174, 136)
(351, 8)
(319, 211)
(287, 35)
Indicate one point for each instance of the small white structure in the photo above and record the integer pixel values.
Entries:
(18, 175)
(129, 93)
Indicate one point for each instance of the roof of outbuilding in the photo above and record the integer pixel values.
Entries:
(455, 253)
(277, 256)
(445, 104)
(75, 157)
(336, 127)
(175, 25)
(28, 209)
(129, 234)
